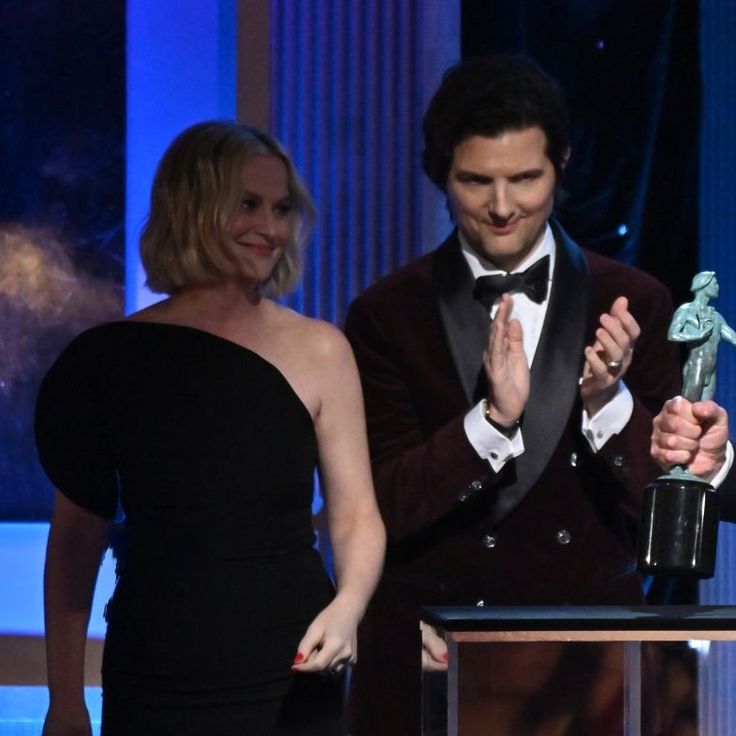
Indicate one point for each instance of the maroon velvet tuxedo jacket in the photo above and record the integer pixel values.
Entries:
(558, 524)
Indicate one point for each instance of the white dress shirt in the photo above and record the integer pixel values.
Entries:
(491, 444)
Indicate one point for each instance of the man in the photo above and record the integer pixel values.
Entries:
(509, 461)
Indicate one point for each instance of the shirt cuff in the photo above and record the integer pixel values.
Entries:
(609, 420)
(720, 476)
(488, 442)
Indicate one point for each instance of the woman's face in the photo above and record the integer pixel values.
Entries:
(262, 223)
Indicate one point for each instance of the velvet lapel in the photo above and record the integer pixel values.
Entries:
(555, 371)
(465, 321)
(557, 361)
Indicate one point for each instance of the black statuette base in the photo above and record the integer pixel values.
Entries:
(679, 527)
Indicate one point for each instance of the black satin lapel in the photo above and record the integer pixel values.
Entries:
(464, 320)
(555, 371)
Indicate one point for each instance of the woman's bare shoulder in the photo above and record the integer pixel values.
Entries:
(316, 336)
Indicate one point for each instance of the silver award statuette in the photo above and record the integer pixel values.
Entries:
(680, 513)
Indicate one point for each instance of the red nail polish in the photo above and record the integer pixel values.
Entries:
(299, 658)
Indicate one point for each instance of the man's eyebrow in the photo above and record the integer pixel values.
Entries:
(470, 173)
(534, 171)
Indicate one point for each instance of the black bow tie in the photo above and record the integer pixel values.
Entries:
(532, 282)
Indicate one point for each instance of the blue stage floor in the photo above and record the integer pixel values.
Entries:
(22, 709)
(22, 548)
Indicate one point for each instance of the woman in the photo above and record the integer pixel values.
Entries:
(204, 417)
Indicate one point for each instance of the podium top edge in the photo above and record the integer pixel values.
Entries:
(581, 618)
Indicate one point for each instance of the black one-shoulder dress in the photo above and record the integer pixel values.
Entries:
(210, 455)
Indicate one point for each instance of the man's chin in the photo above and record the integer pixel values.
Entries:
(502, 252)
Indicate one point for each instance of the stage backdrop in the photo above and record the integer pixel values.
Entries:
(61, 207)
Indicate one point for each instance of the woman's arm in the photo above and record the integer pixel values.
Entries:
(356, 530)
(77, 541)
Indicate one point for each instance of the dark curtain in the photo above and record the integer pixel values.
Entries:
(630, 73)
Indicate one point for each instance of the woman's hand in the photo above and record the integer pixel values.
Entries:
(434, 649)
(330, 642)
(67, 720)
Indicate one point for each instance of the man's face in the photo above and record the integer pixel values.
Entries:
(501, 192)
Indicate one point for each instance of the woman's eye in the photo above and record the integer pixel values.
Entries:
(283, 210)
(247, 205)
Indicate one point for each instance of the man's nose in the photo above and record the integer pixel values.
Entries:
(499, 203)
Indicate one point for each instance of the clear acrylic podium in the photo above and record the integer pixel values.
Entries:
(573, 671)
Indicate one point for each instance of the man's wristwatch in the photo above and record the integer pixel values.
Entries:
(505, 431)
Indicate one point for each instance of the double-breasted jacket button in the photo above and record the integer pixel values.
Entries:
(618, 461)
(480, 603)
(574, 460)
(470, 491)
(564, 536)
(488, 541)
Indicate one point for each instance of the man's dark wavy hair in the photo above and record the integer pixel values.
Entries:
(488, 96)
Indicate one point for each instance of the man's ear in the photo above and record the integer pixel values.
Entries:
(565, 157)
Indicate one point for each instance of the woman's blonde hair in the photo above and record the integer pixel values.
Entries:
(195, 194)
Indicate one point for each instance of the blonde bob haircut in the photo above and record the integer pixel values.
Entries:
(196, 192)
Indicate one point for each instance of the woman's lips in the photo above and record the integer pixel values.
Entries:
(261, 249)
